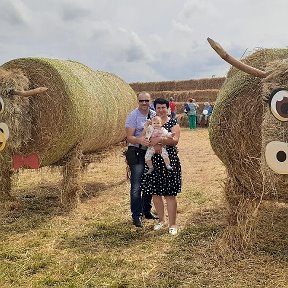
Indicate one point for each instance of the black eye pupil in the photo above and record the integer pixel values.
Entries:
(281, 156)
(284, 108)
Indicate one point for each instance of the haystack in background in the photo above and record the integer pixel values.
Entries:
(83, 112)
(204, 95)
(182, 120)
(180, 85)
(236, 137)
(202, 90)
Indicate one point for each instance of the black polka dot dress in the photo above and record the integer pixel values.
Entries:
(161, 181)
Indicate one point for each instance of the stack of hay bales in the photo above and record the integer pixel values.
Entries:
(81, 107)
(179, 85)
(202, 90)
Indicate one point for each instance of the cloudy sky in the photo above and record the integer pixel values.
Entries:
(140, 41)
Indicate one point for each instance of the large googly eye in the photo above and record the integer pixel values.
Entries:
(276, 156)
(1, 105)
(279, 104)
(4, 130)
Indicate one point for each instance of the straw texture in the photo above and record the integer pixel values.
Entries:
(192, 84)
(81, 107)
(235, 128)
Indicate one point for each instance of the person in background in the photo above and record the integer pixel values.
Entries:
(140, 204)
(173, 108)
(207, 111)
(192, 113)
(152, 105)
(163, 183)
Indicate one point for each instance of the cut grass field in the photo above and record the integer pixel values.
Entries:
(96, 245)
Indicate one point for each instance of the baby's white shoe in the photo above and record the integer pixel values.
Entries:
(150, 170)
(158, 226)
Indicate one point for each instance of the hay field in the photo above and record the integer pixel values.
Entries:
(96, 245)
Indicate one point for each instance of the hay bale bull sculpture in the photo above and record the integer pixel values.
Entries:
(248, 132)
(54, 111)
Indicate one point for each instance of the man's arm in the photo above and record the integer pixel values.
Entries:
(135, 140)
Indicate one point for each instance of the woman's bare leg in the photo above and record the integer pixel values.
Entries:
(172, 210)
(159, 206)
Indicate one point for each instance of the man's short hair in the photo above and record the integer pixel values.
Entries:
(144, 93)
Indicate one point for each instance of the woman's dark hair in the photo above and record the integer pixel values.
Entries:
(161, 101)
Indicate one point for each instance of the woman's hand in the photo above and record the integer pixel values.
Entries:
(155, 141)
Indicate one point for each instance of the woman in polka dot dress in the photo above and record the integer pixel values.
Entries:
(162, 182)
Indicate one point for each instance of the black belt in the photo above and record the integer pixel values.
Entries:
(133, 148)
(139, 150)
(142, 148)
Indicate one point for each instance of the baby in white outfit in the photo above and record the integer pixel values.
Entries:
(153, 130)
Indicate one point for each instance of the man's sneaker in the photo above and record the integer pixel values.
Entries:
(138, 222)
(173, 230)
(158, 226)
(150, 215)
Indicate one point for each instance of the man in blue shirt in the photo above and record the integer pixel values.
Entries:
(140, 204)
(207, 111)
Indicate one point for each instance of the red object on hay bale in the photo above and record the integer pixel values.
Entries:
(72, 111)
(30, 161)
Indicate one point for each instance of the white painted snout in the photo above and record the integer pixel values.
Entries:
(4, 135)
(276, 155)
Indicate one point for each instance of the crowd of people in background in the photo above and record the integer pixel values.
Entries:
(191, 109)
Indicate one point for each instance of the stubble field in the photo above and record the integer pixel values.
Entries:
(95, 245)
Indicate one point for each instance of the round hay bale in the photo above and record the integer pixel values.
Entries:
(81, 107)
(235, 128)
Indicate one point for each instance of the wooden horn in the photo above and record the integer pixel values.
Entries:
(31, 92)
(234, 62)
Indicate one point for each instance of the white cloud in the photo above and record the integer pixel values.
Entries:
(180, 27)
(13, 13)
(141, 40)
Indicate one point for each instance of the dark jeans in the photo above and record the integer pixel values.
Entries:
(140, 204)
